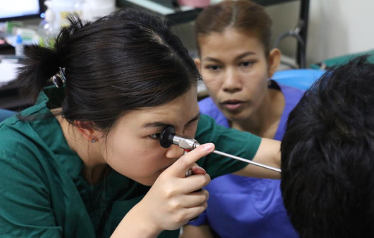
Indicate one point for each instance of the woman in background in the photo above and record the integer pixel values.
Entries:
(236, 63)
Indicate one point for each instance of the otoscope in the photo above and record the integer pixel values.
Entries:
(168, 137)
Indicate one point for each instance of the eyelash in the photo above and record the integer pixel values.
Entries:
(156, 136)
(245, 64)
(213, 67)
(248, 63)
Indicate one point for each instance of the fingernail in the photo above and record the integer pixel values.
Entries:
(208, 147)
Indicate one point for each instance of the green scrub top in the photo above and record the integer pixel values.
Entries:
(43, 192)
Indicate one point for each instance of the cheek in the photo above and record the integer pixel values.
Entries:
(213, 82)
(213, 88)
(134, 159)
(123, 155)
(210, 76)
(256, 81)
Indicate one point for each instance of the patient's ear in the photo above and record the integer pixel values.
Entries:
(198, 63)
(85, 128)
(273, 61)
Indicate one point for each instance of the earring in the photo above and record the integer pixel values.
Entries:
(93, 140)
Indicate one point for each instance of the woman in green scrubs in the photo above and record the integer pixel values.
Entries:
(85, 160)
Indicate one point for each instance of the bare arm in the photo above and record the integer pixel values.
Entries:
(269, 154)
(190, 231)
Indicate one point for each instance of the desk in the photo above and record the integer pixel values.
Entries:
(167, 10)
(10, 97)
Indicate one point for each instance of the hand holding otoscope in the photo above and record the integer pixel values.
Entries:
(168, 137)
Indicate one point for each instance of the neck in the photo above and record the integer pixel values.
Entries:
(96, 174)
(264, 121)
(95, 167)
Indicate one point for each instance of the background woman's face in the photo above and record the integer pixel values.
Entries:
(131, 149)
(235, 70)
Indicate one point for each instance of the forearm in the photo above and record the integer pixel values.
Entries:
(203, 231)
(134, 225)
(269, 154)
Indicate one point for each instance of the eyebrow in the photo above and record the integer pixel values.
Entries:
(163, 124)
(245, 54)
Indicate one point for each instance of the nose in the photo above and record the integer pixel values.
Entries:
(174, 152)
(232, 82)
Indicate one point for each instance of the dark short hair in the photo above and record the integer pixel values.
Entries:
(244, 16)
(125, 61)
(327, 155)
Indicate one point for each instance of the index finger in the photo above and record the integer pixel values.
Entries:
(185, 162)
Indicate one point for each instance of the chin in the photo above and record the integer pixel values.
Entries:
(235, 116)
(238, 116)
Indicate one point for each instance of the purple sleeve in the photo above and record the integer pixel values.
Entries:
(201, 220)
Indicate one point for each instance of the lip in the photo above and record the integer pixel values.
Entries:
(232, 104)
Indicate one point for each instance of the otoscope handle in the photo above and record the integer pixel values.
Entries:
(168, 137)
(189, 173)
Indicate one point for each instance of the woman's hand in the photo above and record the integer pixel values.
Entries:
(173, 199)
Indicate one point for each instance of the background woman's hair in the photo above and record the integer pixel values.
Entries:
(244, 16)
(125, 61)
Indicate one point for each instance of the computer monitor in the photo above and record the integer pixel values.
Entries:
(20, 9)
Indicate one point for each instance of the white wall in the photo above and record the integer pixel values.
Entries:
(336, 27)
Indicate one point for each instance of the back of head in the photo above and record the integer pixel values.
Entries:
(244, 16)
(327, 155)
(125, 61)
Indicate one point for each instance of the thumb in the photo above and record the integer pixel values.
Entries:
(196, 169)
(185, 162)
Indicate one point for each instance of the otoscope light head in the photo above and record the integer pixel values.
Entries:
(166, 136)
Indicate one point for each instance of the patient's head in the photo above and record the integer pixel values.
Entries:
(328, 155)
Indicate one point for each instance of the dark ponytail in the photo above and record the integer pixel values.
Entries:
(43, 64)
